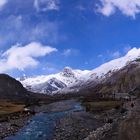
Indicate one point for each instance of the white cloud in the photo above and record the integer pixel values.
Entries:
(46, 5)
(22, 57)
(115, 54)
(69, 52)
(15, 29)
(127, 7)
(2, 3)
(50, 68)
(36, 5)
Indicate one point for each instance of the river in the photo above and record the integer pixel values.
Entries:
(42, 125)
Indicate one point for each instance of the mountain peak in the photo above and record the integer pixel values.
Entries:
(68, 72)
(67, 68)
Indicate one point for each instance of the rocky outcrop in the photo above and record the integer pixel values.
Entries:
(99, 132)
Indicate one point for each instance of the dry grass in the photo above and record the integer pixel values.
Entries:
(102, 105)
(9, 107)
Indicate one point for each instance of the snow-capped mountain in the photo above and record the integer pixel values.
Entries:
(115, 64)
(49, 86)
(73, 80)
(103, 72)
(54, 82)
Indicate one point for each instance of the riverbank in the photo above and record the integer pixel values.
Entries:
(12, 123)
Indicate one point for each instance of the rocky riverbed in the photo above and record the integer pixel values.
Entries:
(66, 120)
(12, 123)
(76, 126)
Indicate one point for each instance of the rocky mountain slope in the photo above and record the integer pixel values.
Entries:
(11, 89)
(121, 81)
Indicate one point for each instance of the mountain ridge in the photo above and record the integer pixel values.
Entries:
(78, 78)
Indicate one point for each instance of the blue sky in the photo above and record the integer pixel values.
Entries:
(43, 36)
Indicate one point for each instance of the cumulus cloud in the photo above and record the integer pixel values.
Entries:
(22, 57)
(2, 3)
(69, 52)
(46, 5)
(127, 7)
(14, 29)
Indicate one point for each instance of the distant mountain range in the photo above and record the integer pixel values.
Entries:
(106, 78)
(50, 84)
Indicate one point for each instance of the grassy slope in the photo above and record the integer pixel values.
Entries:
(101, 105)
(7, 107)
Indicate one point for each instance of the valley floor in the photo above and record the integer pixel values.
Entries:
(11, 124)
(69, 120)
(12, 117)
